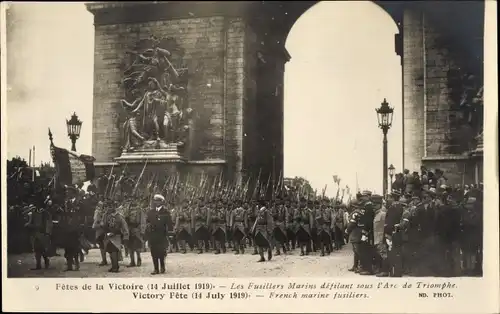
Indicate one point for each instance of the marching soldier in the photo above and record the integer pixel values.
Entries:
(338, 226)
(238, 223)
(183, 227)
(99, 230)
(279, 215)
(217, 219)
(290, 229)
(304, 220)
(199, 222)
(262, 229)
(40, 226)
(116, 233)
(71, 234)
(158, 223)
(323, 218)
(252, 216)
(136, 222)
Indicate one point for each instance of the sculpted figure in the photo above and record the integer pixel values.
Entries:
(130, 133)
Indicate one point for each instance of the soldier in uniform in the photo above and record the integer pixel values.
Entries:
(353, 231)
(217, 220)
(252, 216)
(393, 235)
(182, 226)
(324, 222)
(381, 258)
(199, 222)
(290, 229)
(279, 214)
(40, 226)
(303, 218)
(238, 223)
(99, 230)
(262, 230)
(116, 233)
(338, 226)
(71, 230)
(136, 221)
(158, 222)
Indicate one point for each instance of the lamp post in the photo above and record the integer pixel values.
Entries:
(74, 126)
(391, 173)
(384, 116)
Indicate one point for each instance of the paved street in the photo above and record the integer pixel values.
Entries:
(195, 265)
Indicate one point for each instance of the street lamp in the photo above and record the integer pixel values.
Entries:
(74, 126)
(391, 173)
(384, 116)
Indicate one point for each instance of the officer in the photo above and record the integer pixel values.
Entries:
(199, 221)
(158, 221)
(99, 214)
(217, 219)
(135, 217)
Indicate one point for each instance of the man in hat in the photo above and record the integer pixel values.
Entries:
(279, 214)
(238, 223)
(199, 221)
(471, 236)
(135, 217)
(40, 226)
(262, 230)
(216, 219)
(116, 233)
(158, 222)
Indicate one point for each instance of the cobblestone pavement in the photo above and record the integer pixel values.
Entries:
(192, 264)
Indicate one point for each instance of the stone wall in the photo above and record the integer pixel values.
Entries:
(203, 42)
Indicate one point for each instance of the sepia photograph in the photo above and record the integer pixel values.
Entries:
(192, 139)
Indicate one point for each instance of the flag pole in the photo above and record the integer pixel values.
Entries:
(29, 161)
(33, 169)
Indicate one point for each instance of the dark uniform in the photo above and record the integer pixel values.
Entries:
(471, 235)
(199, 222)
(97, 225)
(116, 233)
(290, 228)
(40, 226)
(353, 230)
(394, 237)
(182, 228)
(158, 222)
(217, 220)
(303, 222)
(324, 219)
(238, 223)
(279, 214)
(338, 226)
(262, 231)
(136, 221)
(252, 216)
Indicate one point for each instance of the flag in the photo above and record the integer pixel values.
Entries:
(72, 168)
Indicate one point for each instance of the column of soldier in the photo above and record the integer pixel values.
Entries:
(180, 216)
(424, 230)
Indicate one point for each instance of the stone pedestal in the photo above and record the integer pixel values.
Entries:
(169, 154)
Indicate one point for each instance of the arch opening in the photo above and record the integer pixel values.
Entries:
(340, 70)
